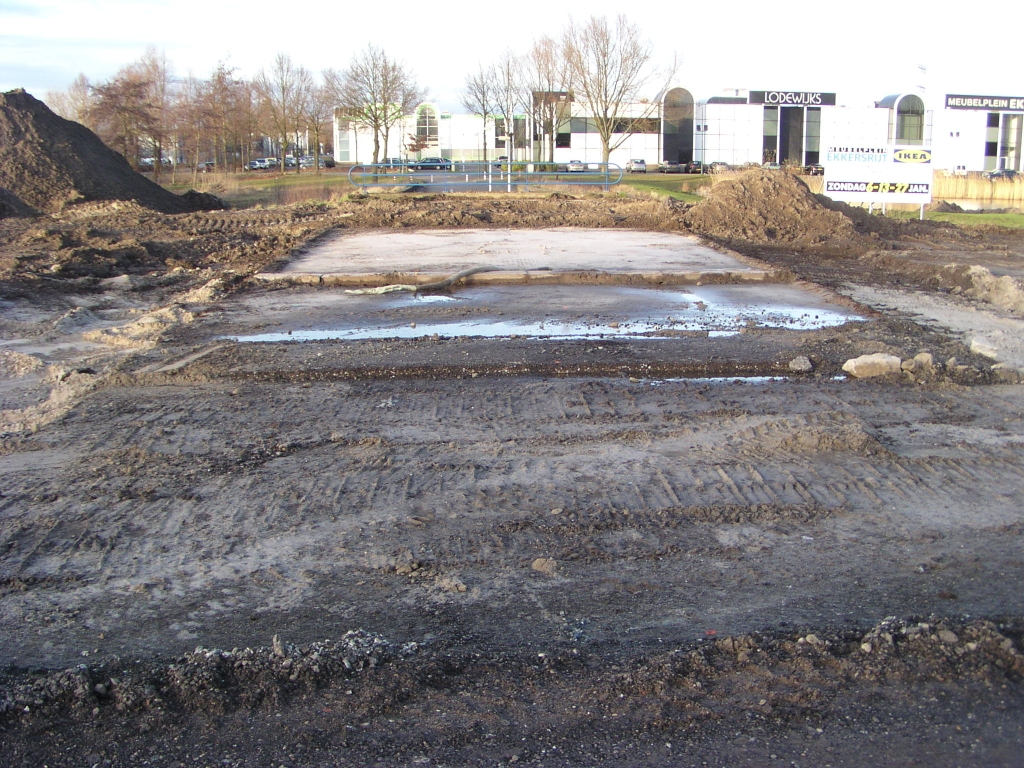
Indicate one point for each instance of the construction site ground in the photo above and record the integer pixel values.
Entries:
(643, 541)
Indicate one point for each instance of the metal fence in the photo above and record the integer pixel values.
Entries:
(445, 175)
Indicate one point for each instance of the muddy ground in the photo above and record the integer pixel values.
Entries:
(463, 551)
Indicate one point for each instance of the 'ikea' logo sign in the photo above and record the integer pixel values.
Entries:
(912, 156)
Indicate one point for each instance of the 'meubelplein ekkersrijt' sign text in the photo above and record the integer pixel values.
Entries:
(793, 98)
(990, 103)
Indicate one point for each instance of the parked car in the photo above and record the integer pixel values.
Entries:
(815, 170)
(208, 167)
(500, 161)
(695, 166)
(393, 164)
(432, 164)
(576, 166)
(636, 166)
(1002, 173)
(717, 167)
(771, 166)
(671, 166)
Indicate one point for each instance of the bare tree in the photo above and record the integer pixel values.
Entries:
(285, 94)
(478, 97)
(610, 65)
(509, 96)
(230, 104)
(319, 116)
(155, 71)
(547, 77)
(75, 103)
(415, 143)
(248, 115)
(375, 92)
(123, 113)
(195, 119)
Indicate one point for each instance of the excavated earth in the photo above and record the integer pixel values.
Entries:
(456, 551)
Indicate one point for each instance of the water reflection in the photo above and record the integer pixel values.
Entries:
(577, 312)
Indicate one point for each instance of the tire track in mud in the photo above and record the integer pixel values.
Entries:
(365, 491)
(315, 478)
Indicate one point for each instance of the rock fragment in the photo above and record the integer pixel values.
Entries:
(867, 366)
(948, 637)
(801, 364)
(921, 363)
(980, 346)
(924, 360)
(545, 565)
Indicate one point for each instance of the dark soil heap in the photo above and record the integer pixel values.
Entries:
(11, 205)
(48, 162)
(767, 207)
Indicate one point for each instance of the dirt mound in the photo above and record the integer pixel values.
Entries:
(48, 162)
(767, 206)
(944, 206)
(203, 201)
(785, 682)
(11, 205)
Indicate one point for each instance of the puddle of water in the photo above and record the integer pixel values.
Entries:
(431, 298)
(721, 380)
(611, 312)
(561, 312)
(730, 380)
(484, 329)
(499, 329)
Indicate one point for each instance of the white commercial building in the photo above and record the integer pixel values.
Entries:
(431, 132)
(801, 127)
(979, 133)
(970, 133)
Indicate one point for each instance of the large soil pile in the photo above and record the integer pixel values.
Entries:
(48, 162)
(765, 207)
(10, 205)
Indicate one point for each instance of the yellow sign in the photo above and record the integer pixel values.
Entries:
(912, 156)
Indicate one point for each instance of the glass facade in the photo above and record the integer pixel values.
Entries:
(426, 126)
(342, 139)
(910, 120)
(812, 129)
(677, 126)
(1010, 141)
(770, 142)
(791, 135)
(991, 141)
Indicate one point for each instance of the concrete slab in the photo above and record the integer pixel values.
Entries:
(545, 254)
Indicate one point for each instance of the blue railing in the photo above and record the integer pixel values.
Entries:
(478, 176)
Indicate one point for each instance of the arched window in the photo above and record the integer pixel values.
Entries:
(426, 125)
(910, 120)
(677, 126)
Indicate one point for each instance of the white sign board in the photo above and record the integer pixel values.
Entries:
(879, 174)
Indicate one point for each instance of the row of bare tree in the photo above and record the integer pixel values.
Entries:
(145, 111)
(602, 66)
(149, 115)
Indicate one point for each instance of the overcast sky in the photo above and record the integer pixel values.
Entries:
(861, 51)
